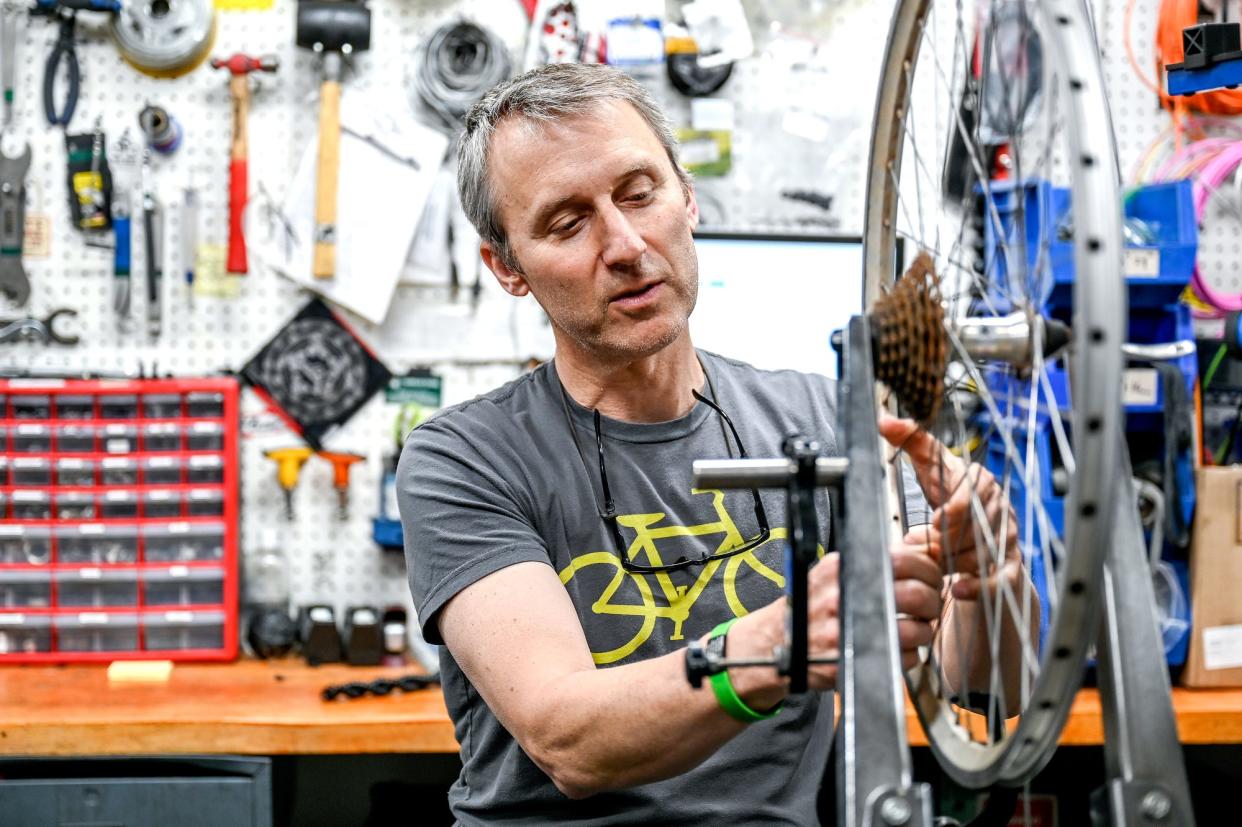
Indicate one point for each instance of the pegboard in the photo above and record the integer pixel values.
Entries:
(1138, 120)
(474, 348)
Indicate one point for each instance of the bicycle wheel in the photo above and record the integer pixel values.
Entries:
(1012, 89)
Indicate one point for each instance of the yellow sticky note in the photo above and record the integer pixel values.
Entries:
(245, 5)
(210, 278)
(139, 671)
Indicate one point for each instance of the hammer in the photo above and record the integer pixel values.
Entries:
(240, 66)
(330, 28)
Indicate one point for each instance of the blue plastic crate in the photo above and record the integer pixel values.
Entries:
(1156, 274)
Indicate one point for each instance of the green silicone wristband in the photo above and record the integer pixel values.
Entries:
(727, 696)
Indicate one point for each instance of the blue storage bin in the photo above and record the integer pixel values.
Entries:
(1156, 274)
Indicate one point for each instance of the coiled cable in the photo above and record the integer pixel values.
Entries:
(457, 64)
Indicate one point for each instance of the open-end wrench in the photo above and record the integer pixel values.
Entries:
(42, 330)
(13, 281)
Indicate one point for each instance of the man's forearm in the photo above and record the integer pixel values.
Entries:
(605, 729)
(964, 626)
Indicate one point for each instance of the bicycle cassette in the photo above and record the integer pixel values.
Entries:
(165, 38)
(909, 342)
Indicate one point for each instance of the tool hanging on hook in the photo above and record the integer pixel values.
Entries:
(64, 13)
(162, 130)
(330, 28)
(240, 66)
(13, 281)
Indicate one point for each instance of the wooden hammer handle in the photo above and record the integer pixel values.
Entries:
(324, 266)
(239, 183)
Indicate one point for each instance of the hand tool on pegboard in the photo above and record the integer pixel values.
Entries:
(64, 13)
(90, 180)
(166, 38)
(341, 463)
(163, 131)
(240, 66)
(331, 29)
(126, 156)
(8, 58)
(13, 281)
(152, 226)
(44, 330)
(289, 462)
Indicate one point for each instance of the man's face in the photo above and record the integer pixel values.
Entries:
(600, 227)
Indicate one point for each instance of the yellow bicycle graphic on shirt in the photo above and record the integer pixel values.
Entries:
(679, 600)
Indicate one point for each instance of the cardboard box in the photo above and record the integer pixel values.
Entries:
(1215, 658)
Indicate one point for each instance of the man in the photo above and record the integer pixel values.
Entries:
(554, 541)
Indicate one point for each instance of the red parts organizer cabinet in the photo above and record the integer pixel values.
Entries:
(118, 520)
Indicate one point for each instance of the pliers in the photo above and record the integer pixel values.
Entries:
(44, 329)
(63, 48)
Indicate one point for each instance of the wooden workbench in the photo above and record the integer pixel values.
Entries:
(273, 708)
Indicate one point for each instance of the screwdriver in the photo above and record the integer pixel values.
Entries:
(341, 463)
(289, 462)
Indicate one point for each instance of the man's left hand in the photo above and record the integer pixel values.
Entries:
(971, 514)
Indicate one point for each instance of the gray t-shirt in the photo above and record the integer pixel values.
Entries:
(498, 480)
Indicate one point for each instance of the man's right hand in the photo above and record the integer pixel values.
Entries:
(917, 582)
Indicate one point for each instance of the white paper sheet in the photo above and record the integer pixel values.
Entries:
(380, 201)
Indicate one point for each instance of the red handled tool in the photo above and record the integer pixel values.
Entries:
(240, 66)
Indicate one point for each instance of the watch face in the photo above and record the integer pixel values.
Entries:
(716, 646)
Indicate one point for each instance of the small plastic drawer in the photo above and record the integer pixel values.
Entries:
(205, 502)
(208, 469)
(75, 505)
(161, 405)
(161, 436)
(31, 406)
(75, 406)
(99, 588)
(74, 471)
(31, 505)
(25, 589)
(161, 470)
(183, 542)
(96, 632)
(118, 438)
(204, 404)
(118, 504)
(31, 471)
(161, 503)
(182, 586)
(25, 544)
(23, 634)
(205, 436)
(96, 543)
(118, 471)
(118, 406)
(32, 439)
(75, 439)
(183, 630)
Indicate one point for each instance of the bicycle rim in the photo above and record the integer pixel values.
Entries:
(1066, 413)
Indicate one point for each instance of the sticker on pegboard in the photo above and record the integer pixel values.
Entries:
(316, 372)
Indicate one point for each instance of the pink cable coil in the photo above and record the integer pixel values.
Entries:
(1208, 182)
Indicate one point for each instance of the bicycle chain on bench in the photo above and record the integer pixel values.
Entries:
(380, 687)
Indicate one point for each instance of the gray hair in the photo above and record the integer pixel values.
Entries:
(543, 95)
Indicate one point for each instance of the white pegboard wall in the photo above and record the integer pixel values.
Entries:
(475, 349)
(1138, 120)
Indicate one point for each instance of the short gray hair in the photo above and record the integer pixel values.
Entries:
(543, 95)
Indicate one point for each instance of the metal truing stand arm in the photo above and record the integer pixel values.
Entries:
(1147, 783)
(800, 472)
(874, 775)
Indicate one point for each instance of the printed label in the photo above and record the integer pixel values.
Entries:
(1142, 262)
(1222, 647)
(1139, 386)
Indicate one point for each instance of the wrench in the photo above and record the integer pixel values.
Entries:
(13, 281)
(43, 330)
